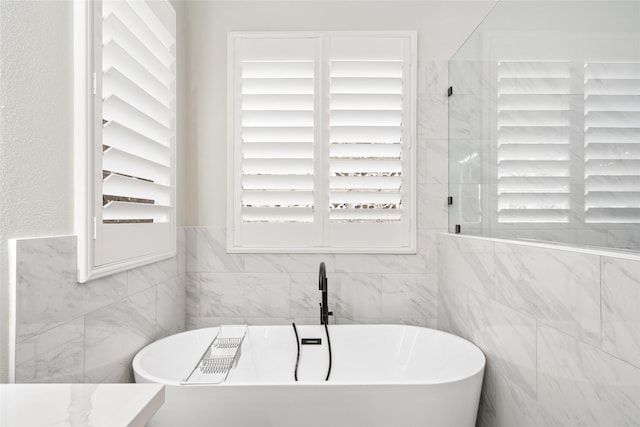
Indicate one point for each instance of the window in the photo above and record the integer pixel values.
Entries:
(322, 142)
(535, 133)
(612, 142)
(125, 134)
(534, 142)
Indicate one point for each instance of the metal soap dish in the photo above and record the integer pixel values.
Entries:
(221, 355)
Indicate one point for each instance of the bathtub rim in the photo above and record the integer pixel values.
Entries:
(453, 379)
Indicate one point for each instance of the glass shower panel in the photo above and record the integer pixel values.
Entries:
(469, 147)
(544, 124)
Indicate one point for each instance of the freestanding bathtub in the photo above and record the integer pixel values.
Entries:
(381, 376)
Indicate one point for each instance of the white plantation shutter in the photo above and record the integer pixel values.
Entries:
(135, 103)
(138, 105)
(370, 146)
(365, 139)
(277, 132)
(274, 135)
(533, 142)
(321, 142)
(612, 142)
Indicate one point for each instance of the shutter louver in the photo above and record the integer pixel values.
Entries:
(277, 131)
(533, 153)
(612, 142)
(138, 104)
(365, 151)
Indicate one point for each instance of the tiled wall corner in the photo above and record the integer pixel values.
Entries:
(551, 358)
(71, 332)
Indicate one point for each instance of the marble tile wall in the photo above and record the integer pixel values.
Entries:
(71, 332)
(559, 327)
(281, 288)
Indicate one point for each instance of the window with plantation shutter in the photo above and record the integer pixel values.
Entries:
(130, 135)
(321, 142)
(534, 142)
(612, 142)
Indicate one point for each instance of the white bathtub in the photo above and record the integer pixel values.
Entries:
(382, 375)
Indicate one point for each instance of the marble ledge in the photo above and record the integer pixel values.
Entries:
(566, 247)
(98, 405)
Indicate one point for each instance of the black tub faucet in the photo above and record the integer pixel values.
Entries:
(324, 305)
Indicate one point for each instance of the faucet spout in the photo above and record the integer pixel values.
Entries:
(324, 305)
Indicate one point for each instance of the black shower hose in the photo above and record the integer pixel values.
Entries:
(295, 331)
(326, 329)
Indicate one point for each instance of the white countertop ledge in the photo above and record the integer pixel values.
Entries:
(95, 405)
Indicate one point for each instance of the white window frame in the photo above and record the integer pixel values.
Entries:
(321, 234)
(135, 244)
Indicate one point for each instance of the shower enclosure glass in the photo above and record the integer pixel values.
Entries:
(544, 124)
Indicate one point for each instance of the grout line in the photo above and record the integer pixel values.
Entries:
(536, 365)
(592, 347)
(290, 295)
(84, 348)
(601, 301)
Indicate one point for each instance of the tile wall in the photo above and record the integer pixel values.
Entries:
(560, 329)
(71, 332)
(283, 288)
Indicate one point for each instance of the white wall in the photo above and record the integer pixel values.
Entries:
(36, 131)
(36, 144)
(442, 27)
